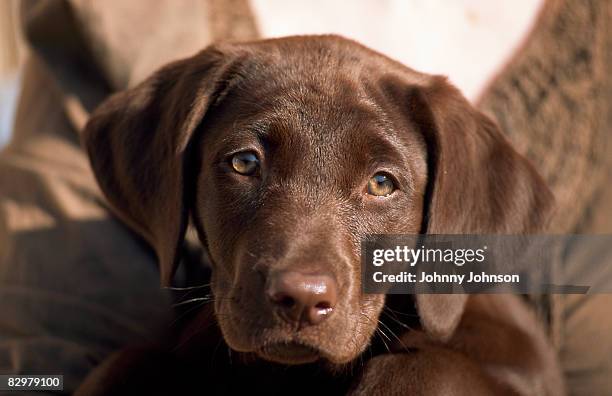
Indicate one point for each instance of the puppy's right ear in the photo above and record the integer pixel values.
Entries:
(138, 143)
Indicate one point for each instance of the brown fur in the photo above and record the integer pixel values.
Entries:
(324, 114)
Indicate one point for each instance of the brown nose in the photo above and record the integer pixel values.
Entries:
(305, 299)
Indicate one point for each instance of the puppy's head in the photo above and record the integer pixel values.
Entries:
(287, 153)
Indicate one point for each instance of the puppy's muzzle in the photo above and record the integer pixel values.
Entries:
(301, 299)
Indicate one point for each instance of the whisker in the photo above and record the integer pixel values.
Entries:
(191, 300)
(393, 334)
(401, 313)
(204, 300)
(188, 311)
(384, 334)
(186, 288)
(379, 331)
(402, 324)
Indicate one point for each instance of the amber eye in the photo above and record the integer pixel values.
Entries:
(246, 163)
(380, 185)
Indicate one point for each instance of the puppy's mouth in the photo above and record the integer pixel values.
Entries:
(289, 353)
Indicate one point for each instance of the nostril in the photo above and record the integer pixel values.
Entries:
(319, 312)
(285, 301)
(301, 298)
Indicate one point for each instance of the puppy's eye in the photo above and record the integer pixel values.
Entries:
(381, 185)
(246, 163)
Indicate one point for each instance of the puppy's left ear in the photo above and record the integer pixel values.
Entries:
(477, 183)
(138, 142)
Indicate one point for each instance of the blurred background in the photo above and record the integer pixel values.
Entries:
(11, 57)
(466, 32)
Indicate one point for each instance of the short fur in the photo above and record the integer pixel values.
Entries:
(324, 114)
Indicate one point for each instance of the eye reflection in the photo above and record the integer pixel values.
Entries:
(381, 185)
(245, 163)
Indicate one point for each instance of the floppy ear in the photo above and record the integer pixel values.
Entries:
(138, 144)
(477, 183)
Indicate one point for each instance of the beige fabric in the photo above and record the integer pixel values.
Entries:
(131, 39)
(75, 284)
(10, 43)
(130, 44)
(553, 101)
(94, 48)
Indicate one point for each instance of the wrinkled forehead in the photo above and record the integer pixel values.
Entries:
(317, 116)
(324, 113)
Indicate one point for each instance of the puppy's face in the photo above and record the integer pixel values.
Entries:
(287, 153)
(292, 180)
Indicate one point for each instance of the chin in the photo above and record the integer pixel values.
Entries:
(289, 353)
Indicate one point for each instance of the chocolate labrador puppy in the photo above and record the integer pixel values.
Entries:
(285, 154)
